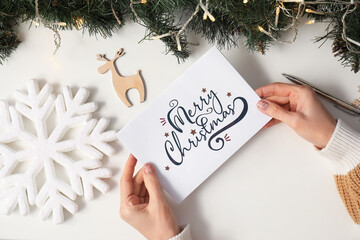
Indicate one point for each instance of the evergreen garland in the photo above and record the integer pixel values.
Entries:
(253, 19)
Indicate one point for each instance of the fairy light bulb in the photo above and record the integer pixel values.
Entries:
(36, 23)
(277, 16)
(79, 22)
(308, 10)
(62, 24)
(261, 29)
(211, 17)
(310, 21)
(277, 10)
(245, 1)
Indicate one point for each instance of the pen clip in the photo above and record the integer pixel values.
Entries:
(346, 110)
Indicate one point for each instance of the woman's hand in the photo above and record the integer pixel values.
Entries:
(143, 205)
(300, 109)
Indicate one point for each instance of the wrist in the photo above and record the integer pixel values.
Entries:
(177, 234)
(166, 234)
(173, 232)
(326, 136)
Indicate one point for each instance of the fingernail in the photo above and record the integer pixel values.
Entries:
(148, 168)
(262, 105)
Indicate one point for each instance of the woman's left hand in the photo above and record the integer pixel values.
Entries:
(143, 205)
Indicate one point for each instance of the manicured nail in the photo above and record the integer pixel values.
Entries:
(262, 105)
(148, 168)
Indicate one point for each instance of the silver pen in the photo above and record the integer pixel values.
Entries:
(348, 108)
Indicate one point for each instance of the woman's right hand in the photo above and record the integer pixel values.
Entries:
(299, 108)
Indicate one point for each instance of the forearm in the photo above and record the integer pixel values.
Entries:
(344, 150)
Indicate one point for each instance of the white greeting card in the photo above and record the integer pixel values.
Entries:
(203, 118)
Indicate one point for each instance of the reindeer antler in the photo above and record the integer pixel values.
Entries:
(120, 52)
(101, 57)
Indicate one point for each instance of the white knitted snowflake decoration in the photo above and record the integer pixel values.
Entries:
(46, 149)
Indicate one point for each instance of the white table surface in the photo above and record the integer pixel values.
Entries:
(274, 187)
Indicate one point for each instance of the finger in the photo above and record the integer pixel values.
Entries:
(274, 121)
(286, 107)
(143, 190)
(275, 89)
(146, 197)
(271, 123)
(281, 100)
(126, 183)
(135, 203)
(132, 205)
(152, 184)
(274, 110)
(138, 181)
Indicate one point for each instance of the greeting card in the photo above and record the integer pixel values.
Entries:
(203, 118)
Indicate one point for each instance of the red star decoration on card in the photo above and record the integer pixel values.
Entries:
(167, 168)
(193, 131)
(166, 134)
(203, 90)
(228, 94)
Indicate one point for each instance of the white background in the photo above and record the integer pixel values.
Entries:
(275, 187)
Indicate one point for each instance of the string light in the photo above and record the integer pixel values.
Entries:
(353, 41)
(36, 23)
(310, 21)
(261, 29)
(308, 10)
(183, 28)
(277, 16)
(301, 9)
(132, 2)
(78, 23)
(344, 36)
(116, 17)
(57, 38)
(268, 33)
(206, 12)
(280, 8)
(296, 1)
(61, 24)
(7, 14)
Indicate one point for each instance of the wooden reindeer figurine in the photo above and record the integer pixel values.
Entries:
(122, 84)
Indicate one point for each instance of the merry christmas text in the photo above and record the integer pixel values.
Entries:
(199, 115)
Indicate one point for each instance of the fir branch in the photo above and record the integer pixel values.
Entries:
(235, 22)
